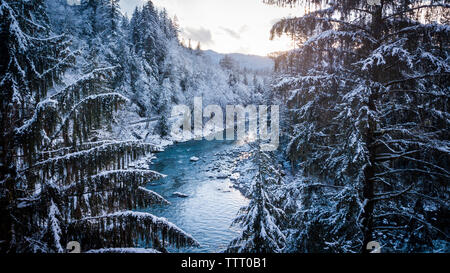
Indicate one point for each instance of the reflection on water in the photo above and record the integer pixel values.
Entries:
(212, 203)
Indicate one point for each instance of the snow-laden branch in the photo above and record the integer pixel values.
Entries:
(396, 48)
(83, 78)
(142, 219)
(408, 216)
(153, 196)
(389, 195)
(412, 170)
(355, 36)
(66, 118)
(440, 5)
(99, 150)
(291, 25)
(14, 26)
(39, 109)
(432, 27)
(418, 77)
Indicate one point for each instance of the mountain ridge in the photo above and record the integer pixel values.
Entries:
(249, 61)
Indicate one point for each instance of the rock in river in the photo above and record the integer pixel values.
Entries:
(195, 159)
(179, 194)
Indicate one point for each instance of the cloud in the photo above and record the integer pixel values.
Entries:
(201, 35)
(243, 28)
(231, 32)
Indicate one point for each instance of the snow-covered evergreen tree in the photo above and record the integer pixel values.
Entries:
(368, 92)
(260, 220)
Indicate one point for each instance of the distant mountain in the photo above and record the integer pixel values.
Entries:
(252, 62)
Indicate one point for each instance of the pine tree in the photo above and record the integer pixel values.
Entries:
(368, 94)
(261, 218)
(151, 34)
(114, 15)
(198, 49)
(227, 63)
(32, 59)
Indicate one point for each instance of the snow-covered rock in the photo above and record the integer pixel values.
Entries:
(235, 176)
(194, 159)
(179, 194)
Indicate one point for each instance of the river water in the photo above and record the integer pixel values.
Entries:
(212, 202)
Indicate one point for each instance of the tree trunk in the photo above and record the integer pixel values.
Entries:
(369, 171)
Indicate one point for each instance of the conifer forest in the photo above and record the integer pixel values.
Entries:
(356, 103)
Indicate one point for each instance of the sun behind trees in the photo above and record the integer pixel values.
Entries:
(368, 96)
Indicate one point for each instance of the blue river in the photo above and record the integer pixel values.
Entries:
(211, 203)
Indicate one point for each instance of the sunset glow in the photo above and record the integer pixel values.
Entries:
(226, 26)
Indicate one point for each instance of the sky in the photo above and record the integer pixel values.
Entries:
(225, 26)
